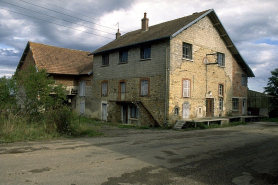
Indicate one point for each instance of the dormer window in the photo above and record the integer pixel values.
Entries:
(145, 52)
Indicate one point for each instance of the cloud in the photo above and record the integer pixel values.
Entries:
(251, 24)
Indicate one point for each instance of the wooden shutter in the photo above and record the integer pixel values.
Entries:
(186, 88)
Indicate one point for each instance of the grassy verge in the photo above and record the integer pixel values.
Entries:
(269, 120)
(15, 128)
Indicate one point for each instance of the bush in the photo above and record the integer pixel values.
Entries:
(59, 120)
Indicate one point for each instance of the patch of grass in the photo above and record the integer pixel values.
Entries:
(270, 120)
(126, 126)
(236, 123)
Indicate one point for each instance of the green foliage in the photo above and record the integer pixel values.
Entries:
(272, 89)
(37, 91)
(7, 92)
(270, 120)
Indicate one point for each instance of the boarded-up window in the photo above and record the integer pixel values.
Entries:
(244, 80)
(104, 88)
(144, 87)
(82, 87)
(186, 88)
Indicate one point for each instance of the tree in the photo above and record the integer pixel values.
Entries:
(37, 91)
(272, 89)
(7, 92)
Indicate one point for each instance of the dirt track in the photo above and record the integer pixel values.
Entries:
(236, 155)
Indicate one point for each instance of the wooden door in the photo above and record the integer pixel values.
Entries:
(125, 114)
(104, 112)
(185, 110)
(210, 107)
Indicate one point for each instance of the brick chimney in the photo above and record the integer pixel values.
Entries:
(118, 34)
(145, 23)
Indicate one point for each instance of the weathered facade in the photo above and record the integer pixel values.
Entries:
(178, 70)
(72, 68)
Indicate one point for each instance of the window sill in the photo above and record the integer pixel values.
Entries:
(104, 65)
(188, 59)
(221, 66)
(120, 63)
(143, 59)
(235, 110)
(144, 95)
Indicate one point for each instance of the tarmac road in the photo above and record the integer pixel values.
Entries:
(239, 155)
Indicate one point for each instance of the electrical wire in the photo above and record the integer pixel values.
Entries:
(55, 17)
(57, 24)
(66, 14)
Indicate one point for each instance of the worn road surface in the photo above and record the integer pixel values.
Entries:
(240, 155)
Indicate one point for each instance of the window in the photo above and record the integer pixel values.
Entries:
(105, 59)
(221, 59)
(133, 112)
(82, 88)
(144, 87)
(123, 56)
(186, 88)
(235, 103)
(187, 50)
(176, 111)
(145, 52)
(244, 80)
(220, 104)
(104, 88)
(221, 90)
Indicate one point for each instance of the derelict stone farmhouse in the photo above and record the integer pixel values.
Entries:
(178, 70)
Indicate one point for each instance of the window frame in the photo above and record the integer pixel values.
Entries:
(148, 80)
(145, 52)
(235, 103)
(244, 80)
(221, 89)
(105, 59)
(102, 83)
(221, 103)
(188, 89)
(121, 54)
(187, 48)
(221, 60)
(131, 112)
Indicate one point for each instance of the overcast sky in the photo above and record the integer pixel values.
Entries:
(88, 24)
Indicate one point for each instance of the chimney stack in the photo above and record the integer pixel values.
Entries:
(145, 23)
(118, 34)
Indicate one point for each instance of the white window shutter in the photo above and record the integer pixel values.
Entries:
(186, 88)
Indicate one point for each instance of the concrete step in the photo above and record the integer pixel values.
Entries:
(179, 125)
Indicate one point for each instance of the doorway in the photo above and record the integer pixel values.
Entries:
(243, 106)
(104, 111)
(125, 114)
(209, 107)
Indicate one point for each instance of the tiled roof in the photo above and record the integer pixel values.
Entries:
(172, 28)
(159, 31)
(58, 60)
